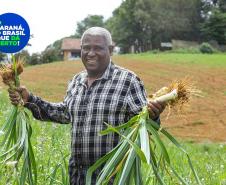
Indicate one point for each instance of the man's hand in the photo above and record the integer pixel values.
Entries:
(155, 108)
(15, 95)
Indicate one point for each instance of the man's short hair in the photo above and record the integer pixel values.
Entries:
(98, 31)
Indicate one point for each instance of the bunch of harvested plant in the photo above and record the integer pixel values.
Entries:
(141, 144)
(16, 131)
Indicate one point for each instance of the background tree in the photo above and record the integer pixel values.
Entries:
(147, 23)
(49, 55)
(52, 52)
(214, 25)
(35, 59)
(222, 6)
(89, 21)
(214, 28)
(126, 31)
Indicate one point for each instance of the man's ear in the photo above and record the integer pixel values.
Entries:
(111, 48)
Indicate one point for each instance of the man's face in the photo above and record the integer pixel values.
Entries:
(95, 54)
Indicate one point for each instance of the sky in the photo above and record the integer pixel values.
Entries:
(51, 20)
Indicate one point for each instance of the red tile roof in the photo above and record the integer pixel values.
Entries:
(70, 44)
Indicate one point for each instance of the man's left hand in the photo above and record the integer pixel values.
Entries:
(155, 108)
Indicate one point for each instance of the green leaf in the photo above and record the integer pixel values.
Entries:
(193, 170)
(33, 162)
(159, 142)
(144, 140)
(116, 158)
(118, 175)
(122, 126)
(10, 119)
(132, 174)
(136, 148)
(9, 125)
(127, 167)
(23, 174)
(138, 180)
(99, 162)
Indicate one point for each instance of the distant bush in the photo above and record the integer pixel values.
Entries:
(50, 55)
(35, 59)
(206, 48)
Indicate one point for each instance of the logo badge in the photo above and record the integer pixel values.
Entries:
(14, 33)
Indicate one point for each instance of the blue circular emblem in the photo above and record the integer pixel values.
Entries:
(14, 33)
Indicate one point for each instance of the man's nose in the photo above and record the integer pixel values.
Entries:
(91, 52)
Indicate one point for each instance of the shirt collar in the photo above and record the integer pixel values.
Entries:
(106, 75)
(108, 72)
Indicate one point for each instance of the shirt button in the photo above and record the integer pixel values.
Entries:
(80, 166)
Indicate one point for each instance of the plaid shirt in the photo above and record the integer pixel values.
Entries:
(114, 98)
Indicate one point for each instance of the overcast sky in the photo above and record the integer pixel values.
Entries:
(51, 20)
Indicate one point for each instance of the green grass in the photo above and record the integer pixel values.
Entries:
(206, 60)
(49, 140)
(209, 160)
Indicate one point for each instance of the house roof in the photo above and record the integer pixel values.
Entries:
(70, 44)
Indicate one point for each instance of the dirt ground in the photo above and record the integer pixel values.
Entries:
(205, 118)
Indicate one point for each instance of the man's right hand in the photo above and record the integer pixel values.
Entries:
(15, 95)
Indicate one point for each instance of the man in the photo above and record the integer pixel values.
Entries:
(102, 93)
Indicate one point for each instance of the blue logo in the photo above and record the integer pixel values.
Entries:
(14, 33)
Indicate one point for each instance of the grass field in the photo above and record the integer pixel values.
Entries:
(202, 130)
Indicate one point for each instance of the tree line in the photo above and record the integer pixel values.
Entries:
(146, 23)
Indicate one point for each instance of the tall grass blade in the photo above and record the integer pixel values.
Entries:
(136, 148)
(127, 167)
(144, 141)
(159, 142)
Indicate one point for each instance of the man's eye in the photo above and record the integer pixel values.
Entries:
(85, 48)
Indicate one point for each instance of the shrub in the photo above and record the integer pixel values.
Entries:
(35, 59)
(206, 48)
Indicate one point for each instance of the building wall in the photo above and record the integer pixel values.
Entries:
(184, 44)
(68, 54)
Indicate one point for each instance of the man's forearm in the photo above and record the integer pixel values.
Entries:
(46, 111)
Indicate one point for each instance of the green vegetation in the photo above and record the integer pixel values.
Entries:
(206, 48)
(49, 140)
(209, 61)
